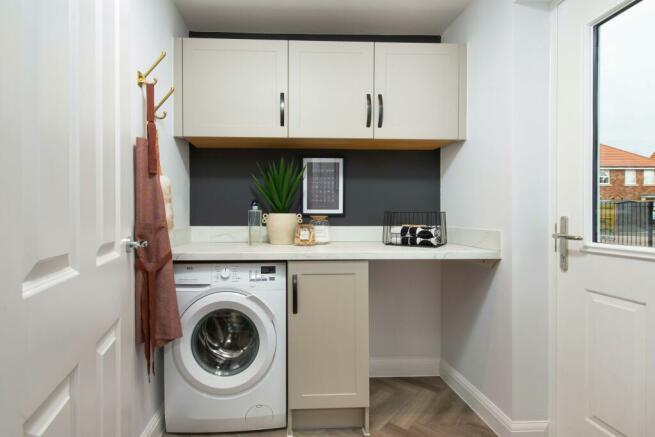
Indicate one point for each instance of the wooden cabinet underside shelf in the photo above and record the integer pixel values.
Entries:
(311, 143)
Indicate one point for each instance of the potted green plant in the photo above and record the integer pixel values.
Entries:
(278, 186)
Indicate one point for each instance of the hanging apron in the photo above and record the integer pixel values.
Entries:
(158, 318)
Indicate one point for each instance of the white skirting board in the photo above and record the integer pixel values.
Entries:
(155, 426)
(496, 418)
(390, 367)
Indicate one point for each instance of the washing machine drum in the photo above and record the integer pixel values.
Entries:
(228, 342)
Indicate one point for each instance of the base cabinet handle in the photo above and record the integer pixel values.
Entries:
(294, 293)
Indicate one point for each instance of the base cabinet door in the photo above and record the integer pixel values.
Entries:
(234, 88)
(420, 91)
(331, 89)
(328, 335)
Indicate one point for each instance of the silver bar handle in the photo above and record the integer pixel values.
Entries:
(282, 109)
(567, 237)
(380, 110)
(369, 108)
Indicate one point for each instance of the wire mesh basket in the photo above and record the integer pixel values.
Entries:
(414, 228)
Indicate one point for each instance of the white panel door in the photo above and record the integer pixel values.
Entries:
(66, 169)
(234, 88)
(605, 357)
(330, 89)
(417, 90)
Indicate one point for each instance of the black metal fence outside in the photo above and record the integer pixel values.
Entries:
(626, 223)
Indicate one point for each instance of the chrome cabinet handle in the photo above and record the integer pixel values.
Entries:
(282, 109)
(380, 110)
(294, 303)
(369, 108)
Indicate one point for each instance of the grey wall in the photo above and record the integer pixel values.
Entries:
(375, 181)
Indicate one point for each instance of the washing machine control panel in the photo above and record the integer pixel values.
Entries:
(233, 274)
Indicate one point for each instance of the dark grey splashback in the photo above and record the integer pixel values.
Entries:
(375, 181)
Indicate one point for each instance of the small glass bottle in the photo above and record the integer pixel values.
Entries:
(321, 228)
(254, 224)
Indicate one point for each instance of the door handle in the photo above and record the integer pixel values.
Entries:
(368, 110)
(567, 237)
(380, 110)
(294, 293)
(132, 245)
(282, 109)
(563, 237)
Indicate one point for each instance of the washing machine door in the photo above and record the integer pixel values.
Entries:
(228, 342)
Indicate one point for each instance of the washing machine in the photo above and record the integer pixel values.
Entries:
(228, 371)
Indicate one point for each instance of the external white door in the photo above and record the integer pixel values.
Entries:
(330, 89)
(234, 88)
(419, 92)
(66, 169)
(605, 358)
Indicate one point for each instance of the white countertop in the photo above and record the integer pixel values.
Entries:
(361, 250)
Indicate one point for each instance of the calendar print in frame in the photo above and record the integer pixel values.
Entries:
(322, 191)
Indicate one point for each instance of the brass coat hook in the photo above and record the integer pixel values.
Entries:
(141, 77)
(161, 102)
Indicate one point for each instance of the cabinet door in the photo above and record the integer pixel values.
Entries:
(328, 335)
(331, 89)
(418, 90)
(234, 88)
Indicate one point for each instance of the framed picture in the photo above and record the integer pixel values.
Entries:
(322, 187)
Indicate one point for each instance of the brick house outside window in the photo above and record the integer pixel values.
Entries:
(625, 175)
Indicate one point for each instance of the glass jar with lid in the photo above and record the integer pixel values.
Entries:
(321, 228)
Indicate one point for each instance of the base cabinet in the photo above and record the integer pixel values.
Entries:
(328, 350)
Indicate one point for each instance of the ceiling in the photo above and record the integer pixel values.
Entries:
(359, 17)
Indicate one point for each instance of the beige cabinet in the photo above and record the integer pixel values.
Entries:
(319, 94)
(331, 85)
(328, 351)
(232, 88)
(420, 91)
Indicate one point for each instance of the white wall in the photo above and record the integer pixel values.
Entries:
(494, 321)
(405, 302)
(531, 244)
(154, 25)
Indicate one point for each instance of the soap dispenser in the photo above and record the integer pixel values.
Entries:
(254, 224)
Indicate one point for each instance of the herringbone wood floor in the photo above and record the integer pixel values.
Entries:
(403, 407)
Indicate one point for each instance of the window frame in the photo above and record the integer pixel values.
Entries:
(600, 177)
(650, 171)
(625, 177)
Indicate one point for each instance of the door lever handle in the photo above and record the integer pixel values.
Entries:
(560, 236)
(132, 245)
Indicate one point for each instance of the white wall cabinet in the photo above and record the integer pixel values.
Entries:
(234, 88)
(391, 95)
(332, 89)
(420, 91)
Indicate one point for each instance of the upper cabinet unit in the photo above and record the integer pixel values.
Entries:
(234, 88)
(420, 91)
(322, 94)
(332, 89)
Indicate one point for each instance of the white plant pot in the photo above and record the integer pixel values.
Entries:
(281, 227)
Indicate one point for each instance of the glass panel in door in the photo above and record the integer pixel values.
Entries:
(225, 342)
(624, 126)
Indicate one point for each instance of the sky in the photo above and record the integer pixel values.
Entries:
(626, 80)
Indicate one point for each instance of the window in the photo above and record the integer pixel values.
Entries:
(623, 128)
(630, 177)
